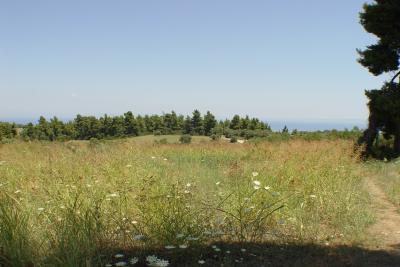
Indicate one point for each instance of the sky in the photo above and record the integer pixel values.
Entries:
(276, 60)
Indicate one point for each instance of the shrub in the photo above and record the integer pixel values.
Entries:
(215, 137)
(233, 139)
(185, 139)
(162, 141)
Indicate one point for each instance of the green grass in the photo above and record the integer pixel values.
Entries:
(77, 203)
(388, 176)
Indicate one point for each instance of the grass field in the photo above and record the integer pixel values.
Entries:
(84, 203)
(387, 175)
(170, 139)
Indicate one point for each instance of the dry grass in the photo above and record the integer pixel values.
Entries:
(67, 204)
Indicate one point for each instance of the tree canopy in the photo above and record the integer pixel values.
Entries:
(87, 127)
(382, 18)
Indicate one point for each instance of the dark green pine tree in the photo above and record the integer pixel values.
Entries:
(209, 122)
(130, 124)
(197, 123)
(187, 125)
(235, 123)
(44, 130)
(382, 18)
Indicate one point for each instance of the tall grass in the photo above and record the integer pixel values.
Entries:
(388, 176)
(76, 201)
(16, 245)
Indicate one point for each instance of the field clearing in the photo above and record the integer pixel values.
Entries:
(79, 203)
(171, 139)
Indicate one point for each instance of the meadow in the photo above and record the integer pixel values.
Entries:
(134, 202)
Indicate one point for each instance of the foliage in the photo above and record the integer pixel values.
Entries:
(185, 139)
(381, 18)
(106, 127)
(233, 139)
(7, 130)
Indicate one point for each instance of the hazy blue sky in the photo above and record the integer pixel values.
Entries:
(287, 59)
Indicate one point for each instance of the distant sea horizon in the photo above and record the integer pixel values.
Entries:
(316, 125)
(276, 124)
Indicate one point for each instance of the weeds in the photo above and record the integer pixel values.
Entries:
(76, 203)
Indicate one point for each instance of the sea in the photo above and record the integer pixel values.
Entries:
(317, 125)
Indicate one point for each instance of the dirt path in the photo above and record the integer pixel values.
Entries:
(386, 230)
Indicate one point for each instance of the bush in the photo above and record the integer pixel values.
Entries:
(185, 139)
(215, 137)
(233, 139)
(162, 141)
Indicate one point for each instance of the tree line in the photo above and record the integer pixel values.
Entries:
(126, 125)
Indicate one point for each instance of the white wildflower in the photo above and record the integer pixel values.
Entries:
(256, 187)
(151, 258)
(313, 196)
(161, 263)
(218, 183)
(243, 250)
(134, 260)
(121, 263)
(188, 185)
(169, 247)
(256, 182)
(118, 256)
(156, 262)
(254, 174)
(40, 209)
(129, 166)
(201, 261)
(267, 187)
(183, 246)
(134, 222)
